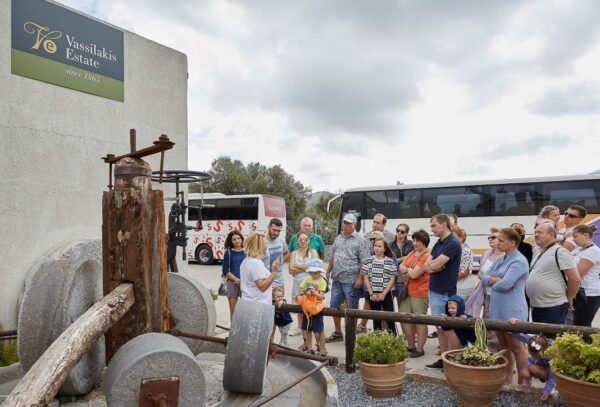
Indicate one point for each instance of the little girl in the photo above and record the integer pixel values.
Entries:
(539, 366)
(379, 277)
(283, 319)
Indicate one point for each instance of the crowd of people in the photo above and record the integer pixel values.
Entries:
(556, 279)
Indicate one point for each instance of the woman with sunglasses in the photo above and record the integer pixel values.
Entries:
(402, 245)
(485, 268)
(587, 258)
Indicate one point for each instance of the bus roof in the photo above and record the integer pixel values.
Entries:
(481, 182)
(218, 195)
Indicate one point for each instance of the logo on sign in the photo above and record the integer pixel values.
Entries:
(43, 35)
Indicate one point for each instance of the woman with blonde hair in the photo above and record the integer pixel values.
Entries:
(466, 282)
(256, 279)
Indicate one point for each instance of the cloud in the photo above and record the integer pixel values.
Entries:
(344, 83)
(580, 98)
(531, 145)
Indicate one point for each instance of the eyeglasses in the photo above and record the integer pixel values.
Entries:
(401, 231)
(492, 237)
(302, 240)
(373, 239)
(570, 215)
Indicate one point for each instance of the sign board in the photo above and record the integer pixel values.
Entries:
(56, 45)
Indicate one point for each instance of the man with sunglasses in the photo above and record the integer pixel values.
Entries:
(574, 215)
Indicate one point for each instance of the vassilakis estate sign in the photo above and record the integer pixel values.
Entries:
(55, 45)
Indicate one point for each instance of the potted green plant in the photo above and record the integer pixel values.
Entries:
(475, 373)
(382, 361)
(576, 366)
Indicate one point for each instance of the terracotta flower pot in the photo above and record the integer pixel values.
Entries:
(476, 386)
(577, 393)
(383, 381)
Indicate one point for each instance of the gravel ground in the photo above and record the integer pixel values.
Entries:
(352, 393)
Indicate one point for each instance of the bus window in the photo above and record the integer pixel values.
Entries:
(513, 200)
(386, 202)
(352, 203)
(462, 201)
(409, 204)
(564, 194)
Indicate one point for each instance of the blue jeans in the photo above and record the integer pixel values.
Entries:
(341, 292)
(437, 303)
(550, 315)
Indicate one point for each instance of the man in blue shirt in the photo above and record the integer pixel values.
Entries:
(443, 266)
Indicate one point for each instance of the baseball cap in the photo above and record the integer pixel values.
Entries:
(350, 218)
(315, 265)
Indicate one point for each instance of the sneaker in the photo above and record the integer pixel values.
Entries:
(295, 331)
(361, 329)
(336, 336)
(416, 354)
(437, 365)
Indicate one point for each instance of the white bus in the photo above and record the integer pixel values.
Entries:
(479, 205)
(220, 214)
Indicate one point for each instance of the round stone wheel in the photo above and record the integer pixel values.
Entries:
(59, 289)
(193, 309)
(247, 350)
(153, 356)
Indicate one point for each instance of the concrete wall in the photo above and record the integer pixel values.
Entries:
(51, 142)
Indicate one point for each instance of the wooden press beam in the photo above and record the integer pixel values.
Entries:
(41, 383)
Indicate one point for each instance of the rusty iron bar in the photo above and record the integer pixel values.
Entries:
(452, 322)
(177, 332)
(8, 333)
(261, 402)
(276, 349)
(222, 327)
(162, 144)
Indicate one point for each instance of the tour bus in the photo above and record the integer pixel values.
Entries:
(479, 205)
(220, 214)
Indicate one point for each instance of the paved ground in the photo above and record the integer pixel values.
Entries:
(211, 277)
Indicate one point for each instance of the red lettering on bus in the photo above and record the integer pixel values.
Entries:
(240, 225)
(218, 227)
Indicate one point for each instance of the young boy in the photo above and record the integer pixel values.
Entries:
(282, 319)
(455, 307)
(313, 288)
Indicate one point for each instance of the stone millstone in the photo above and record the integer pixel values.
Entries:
(153, 356)
(247, 348)
(59, 289)
(193, 309)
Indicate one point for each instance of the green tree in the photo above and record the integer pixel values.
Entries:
(232, 177)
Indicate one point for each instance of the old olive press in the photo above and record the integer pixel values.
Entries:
(119, 288)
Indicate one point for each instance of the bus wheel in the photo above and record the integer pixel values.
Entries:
(204, 255)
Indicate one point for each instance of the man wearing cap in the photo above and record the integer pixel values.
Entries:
(348, 253)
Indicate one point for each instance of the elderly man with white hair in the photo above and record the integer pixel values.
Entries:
(315, 241)
(553, 279)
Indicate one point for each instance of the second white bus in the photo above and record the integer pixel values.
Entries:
(224, 213)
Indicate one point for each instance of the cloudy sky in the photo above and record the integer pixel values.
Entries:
(354, 93)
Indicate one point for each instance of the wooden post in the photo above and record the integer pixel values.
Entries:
(350, 327)
(41, 383)
(134, 250)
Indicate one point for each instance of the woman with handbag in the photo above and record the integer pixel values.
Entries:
(587, 258)
(234, 255)
(416, 297)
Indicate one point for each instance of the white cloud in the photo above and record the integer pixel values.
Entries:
(352, 93)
